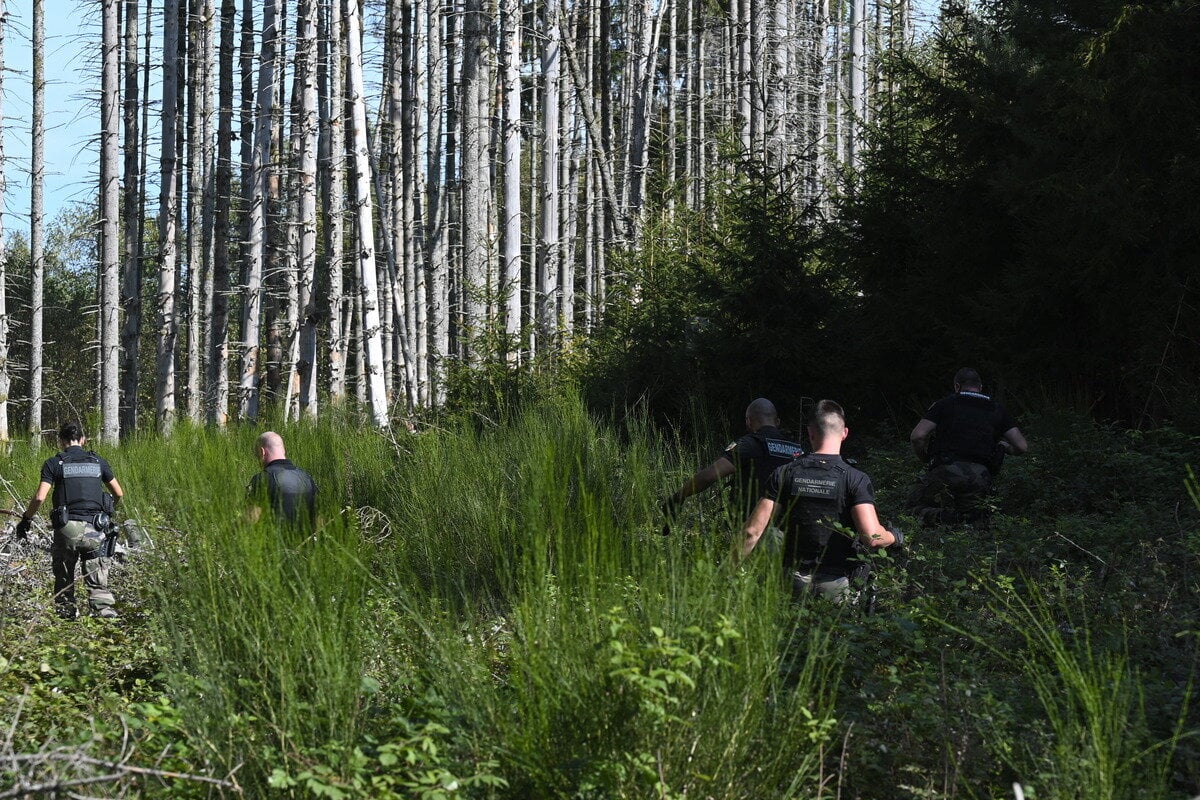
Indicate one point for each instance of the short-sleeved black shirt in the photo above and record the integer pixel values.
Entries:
(969, 424)
(811, 543)
(290, 490)
(756, 455)
(92, 473)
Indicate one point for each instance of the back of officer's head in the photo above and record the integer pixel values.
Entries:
(761, 411)
(829, 419)
(70, 432)
(968, 378)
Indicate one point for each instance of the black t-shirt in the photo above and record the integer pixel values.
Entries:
(811, 542)
(969, 424)
(290, 490)
(86, 473)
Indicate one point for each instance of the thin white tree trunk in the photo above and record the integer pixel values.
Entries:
(334, 178)
(364, 228)
(168, 220)
(110, 215)
(197, 179)
(260, 174)
(306, 74)
(5, 379)
(475, 177)
(218, 360)
(548, 243)
(37, 182)
(510, 275)
(858, 96)
(436, 234)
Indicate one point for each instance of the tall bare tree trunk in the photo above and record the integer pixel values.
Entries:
(5, 380)
(168, 216)
(131, 298)
(741, 30)
(218, 359)
(110, 215)
(198, 34)
(510, 273)
(260, 174)
(858, 95)
(333, 176)
(475, 176)
(436, 217)
(37, 182)
(548, 241)
(364, 227)
(306, 75)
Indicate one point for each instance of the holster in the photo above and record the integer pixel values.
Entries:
(59, 516)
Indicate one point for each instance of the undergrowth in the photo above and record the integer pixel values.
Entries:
(487, 609)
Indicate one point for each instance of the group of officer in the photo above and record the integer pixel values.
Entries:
(826, 506)
(86, 494)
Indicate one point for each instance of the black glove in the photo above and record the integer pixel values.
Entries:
(23, 528)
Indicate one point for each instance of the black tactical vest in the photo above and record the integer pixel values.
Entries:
(776, 453)
(815, 491)
(81, 488)
(968, 434)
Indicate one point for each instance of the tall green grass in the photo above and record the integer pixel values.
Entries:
(486, 609)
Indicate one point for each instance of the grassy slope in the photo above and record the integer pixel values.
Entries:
(491, 613)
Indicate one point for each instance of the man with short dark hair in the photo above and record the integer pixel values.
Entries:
(962, 439)
(751, 460)
(290, 491)
(820, 497)
(81, 519)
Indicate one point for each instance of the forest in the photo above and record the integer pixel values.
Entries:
(504, 276)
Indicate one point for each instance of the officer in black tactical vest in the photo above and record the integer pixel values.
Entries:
(288, 490)
(963, 439)
(819, 499)
(82, 521)
(751, 460)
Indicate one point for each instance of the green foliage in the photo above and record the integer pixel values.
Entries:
(411, 765)
(729, 306)
(487, 610)
(1026, 208)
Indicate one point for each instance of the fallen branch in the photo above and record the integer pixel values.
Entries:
(119, 770)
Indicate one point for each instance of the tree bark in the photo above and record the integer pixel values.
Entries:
(37, 182)
(218, 360)
(510, 273)
(260, 175)
(168, 216)
(334, 180)
(306, 69)
(5, 379)
(110, 214)
(364, 228)
(131, 298)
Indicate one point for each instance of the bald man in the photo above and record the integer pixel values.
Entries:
(289, 490)
(752, 458)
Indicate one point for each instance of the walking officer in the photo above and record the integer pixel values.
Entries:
(287, 490)
(820, 498)
(751, 460)
(963, 439)
(81, 518)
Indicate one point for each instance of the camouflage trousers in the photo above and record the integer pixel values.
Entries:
(832, 586)
(79, 544)
(951, 493)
